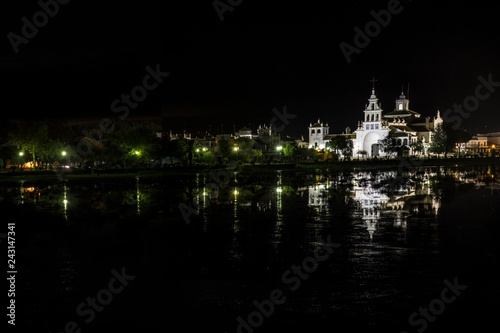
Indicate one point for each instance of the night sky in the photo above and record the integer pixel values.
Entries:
(264, 55)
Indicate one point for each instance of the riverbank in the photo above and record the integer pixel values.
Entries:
(183, 170)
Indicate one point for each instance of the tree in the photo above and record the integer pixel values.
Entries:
(338, 142)
(445, 138)
(389, 146)
(362, 152)
(224, 148)
(244, 143)
(96, 149)
(347, 150)
(258, 154)
(306, 154)
(31, 137)
(187, 148)
(135, 142)
(438, 144)
(289, 150)
(208, 157)
(417, 146)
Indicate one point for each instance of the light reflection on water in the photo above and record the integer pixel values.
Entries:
(374, 196)
(394, 241)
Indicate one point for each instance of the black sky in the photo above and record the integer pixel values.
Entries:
(277, 53)
(264, 55)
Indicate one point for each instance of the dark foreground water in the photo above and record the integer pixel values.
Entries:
(413, 252)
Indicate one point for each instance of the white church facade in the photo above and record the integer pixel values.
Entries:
(402, 124)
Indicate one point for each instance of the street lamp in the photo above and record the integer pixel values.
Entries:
(279, 149)
(21, 165)
(236, 152)
(63, 153)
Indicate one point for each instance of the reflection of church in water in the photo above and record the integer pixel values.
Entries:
(375, 202)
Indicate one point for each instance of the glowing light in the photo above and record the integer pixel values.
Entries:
(236, 192)
(279, 190)
(236, 148)
(204, 149)
(137, 152)
(198, 150)
(63, 153)
(279, 148)
(21, 153)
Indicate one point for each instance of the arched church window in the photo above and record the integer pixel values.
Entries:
(405, 141)
(313, 132)
(399, 142)
(319, 131)
(372, 118)
(376, 117)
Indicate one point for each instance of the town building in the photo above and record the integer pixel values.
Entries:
(405, 126)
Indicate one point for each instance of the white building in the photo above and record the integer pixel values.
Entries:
(402, 124)
(319, 135)
(245, 133)
(373, 129)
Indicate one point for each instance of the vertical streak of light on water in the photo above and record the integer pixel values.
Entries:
(204, 206)
(138, 196)
(65, 201)
(279, 212)
(235, 251)
(21, 190)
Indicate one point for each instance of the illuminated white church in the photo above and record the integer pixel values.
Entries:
(402, 124)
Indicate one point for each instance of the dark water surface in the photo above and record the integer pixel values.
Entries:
(400, 236)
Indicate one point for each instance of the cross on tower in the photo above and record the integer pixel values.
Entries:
(373, 80)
